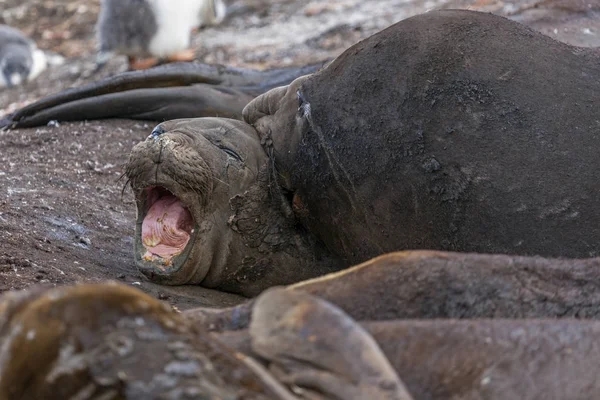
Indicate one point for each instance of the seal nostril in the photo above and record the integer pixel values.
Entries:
(156, 132)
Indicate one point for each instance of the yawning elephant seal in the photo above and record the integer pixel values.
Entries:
(452, 130)
(457, 143)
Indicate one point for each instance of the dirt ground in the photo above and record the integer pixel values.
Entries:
(64, 216)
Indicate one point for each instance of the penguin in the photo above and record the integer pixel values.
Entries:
(148, 31)
(20, 59)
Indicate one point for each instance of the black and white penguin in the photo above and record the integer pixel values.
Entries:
(20, 59)
(153, 29)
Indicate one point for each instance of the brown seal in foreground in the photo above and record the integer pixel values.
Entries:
(114, 342)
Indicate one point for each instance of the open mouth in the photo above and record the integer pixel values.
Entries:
(166, 231)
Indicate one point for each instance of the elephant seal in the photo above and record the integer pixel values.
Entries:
(443, 145)
(20, 59)
(440, 132)
(152, 29)
(113, 342)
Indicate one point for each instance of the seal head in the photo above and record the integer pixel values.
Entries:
(210, 210)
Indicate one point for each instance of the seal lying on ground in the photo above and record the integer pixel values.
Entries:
(177, 90)
(152, 29)
(432, 284)
(452, 130)
(114, 342)
(453, 140)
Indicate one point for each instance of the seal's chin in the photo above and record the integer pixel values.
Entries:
(165, 233)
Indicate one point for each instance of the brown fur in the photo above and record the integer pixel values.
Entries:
(114, 341)
(430, 284)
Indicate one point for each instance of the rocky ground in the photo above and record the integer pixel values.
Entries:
(64, 216)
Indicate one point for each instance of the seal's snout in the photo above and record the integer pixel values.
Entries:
(156, 132)
(183, 176)
(171, 181)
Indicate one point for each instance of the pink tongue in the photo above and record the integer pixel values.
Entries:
(166, 228)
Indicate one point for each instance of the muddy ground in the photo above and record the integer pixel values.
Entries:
(64, 216)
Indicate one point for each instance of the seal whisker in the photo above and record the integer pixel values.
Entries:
(121, 176)
(124, 187)
(219, 180)
(158, 163)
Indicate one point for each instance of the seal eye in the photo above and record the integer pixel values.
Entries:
(231, 153)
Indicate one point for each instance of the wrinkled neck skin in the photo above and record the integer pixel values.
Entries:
(268, 246)
(281, 117)
(243, 236)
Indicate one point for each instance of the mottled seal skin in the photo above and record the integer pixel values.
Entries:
(244, 237)
(112, 342)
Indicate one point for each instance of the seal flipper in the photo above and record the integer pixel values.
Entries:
(119, 96)
(158, 104)
(316, 346)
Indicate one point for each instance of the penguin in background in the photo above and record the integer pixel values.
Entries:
(20, 59)
(148, 31)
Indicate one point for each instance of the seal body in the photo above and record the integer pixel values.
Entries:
(451, 130)
(152, 28)
(20, 60)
